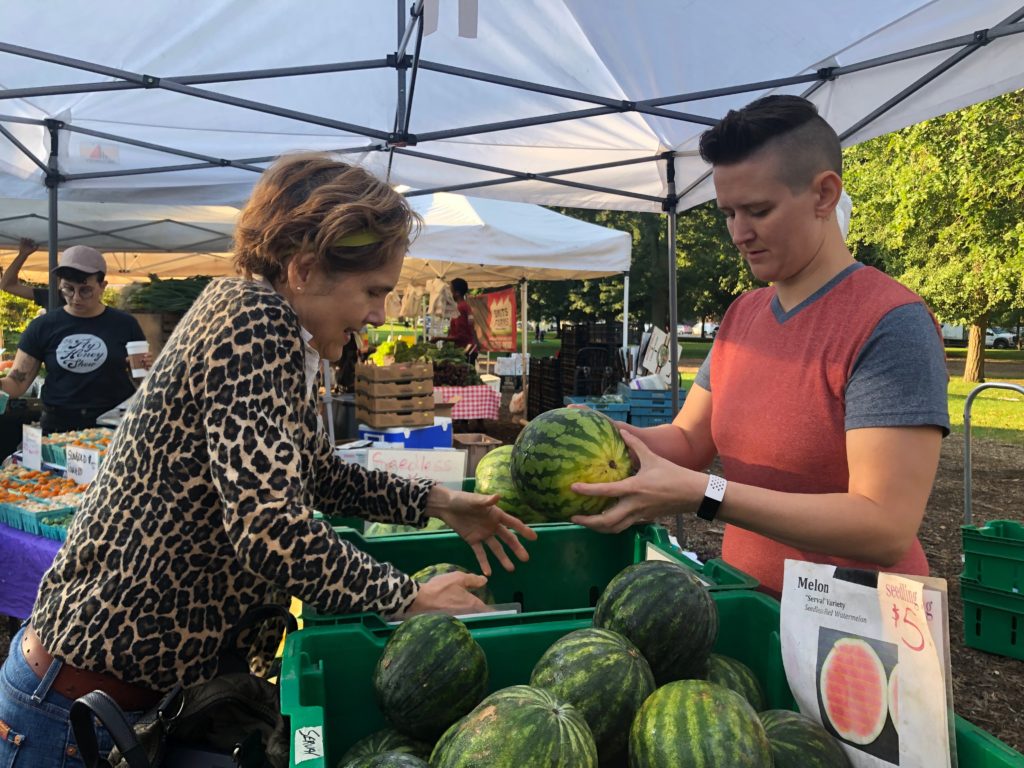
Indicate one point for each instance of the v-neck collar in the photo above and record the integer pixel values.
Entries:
(782, 315)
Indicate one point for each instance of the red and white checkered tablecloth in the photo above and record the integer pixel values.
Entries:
(476, 402)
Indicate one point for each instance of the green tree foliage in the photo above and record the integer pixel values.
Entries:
(940, 204)
(710, 272)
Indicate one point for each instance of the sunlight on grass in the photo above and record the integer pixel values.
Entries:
(997, 414)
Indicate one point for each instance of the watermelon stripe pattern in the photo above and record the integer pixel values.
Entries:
(432, 672)
(797, 741)
(564, 446)
(518, 727)
(605, 678)
(697, 724)
(666, 612)
(736, 676)
(387, 760)
(386, 740)
(494, 475)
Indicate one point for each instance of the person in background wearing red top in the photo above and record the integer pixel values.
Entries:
(461, 332)
(824, 394)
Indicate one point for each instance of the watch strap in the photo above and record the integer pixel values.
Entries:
(713, 495)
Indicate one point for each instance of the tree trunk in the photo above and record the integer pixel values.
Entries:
(974, 367)
(659, 271)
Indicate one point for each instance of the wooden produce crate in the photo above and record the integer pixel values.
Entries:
(400, 395)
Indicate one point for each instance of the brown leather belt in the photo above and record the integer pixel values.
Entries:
(73, 682)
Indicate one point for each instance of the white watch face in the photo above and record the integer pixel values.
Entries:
(716, 487)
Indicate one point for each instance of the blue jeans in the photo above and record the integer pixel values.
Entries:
(34, 727)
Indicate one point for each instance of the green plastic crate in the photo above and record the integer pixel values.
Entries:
(327, 690)
(994, 555)
(579, 561)
(993, 619)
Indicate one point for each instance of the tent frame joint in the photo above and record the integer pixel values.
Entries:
(669, 203)
(402, 139)
(827, 73)
(53, 125)
(149, 81)
(395, 63)
(981, 37)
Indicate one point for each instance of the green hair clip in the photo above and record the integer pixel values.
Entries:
(357, 239)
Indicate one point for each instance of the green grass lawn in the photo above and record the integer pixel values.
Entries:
(990, 354)
(996, 413)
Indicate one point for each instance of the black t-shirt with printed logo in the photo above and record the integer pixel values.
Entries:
(85, 357)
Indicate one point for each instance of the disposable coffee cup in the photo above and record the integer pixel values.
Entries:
(137, 351)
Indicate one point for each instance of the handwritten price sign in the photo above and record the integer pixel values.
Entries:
(82, 464)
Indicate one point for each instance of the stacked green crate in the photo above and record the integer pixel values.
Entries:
(992, 587)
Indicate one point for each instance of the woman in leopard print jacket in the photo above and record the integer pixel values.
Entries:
(203, 508)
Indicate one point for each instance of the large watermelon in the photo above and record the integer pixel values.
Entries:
(423, 575)
(736, 676)
(387, 760)
(799, 742)
(432, 672)
(518, 727)
(494, 475)
(666, 612)
(854, 690)
(604, 677)
(386, 740)
(694, 723)
(566, 446)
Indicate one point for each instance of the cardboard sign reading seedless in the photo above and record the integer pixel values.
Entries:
(82, 464)
(32, 447)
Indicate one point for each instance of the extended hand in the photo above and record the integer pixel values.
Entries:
(660, 488)
(450, 593)
(27, 246)
(478, 521)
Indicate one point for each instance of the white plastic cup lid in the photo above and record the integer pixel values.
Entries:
(137, 347)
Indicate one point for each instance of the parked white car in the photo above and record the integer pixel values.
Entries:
(999, 339)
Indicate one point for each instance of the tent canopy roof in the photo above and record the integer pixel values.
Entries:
(486, 242)
(516, 97)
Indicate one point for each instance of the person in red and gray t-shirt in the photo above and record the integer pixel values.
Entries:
(824, 394)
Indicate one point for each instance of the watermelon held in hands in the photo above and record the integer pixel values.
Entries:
(387, 760)
(385, 740)
(518, 727)
(665, 611)
(604, 677)
(736, 676)
(854, 690)
(566, 446)
(431, 673)
(691, 723)
(797, 741)
(494, 475)
(423, 575)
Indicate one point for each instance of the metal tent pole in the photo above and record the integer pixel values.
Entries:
(673, 309)
(52, 183)
(625, 323)
(522, 301)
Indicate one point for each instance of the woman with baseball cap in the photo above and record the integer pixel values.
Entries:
(82, 345)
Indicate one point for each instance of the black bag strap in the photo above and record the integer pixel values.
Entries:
(99, 705)
(234, 659)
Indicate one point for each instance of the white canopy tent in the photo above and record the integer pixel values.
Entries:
(589, 103)
(486, 242)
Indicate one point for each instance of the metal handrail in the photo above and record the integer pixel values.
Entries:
(967, 437)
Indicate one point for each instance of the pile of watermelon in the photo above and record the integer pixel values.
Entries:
(555, 450)
(640, 688)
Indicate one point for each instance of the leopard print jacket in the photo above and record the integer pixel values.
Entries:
(203, 507)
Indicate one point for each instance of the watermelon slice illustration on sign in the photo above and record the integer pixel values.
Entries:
(854, 692)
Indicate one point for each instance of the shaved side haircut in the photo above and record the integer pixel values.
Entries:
(788, 126)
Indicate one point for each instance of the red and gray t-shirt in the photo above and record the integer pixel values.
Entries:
(861, 352)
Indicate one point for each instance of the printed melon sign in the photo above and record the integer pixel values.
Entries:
(866, 656)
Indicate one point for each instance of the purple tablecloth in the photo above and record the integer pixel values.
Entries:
(24, 559)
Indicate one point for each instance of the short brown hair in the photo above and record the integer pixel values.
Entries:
(307, 202)
(788, 125)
